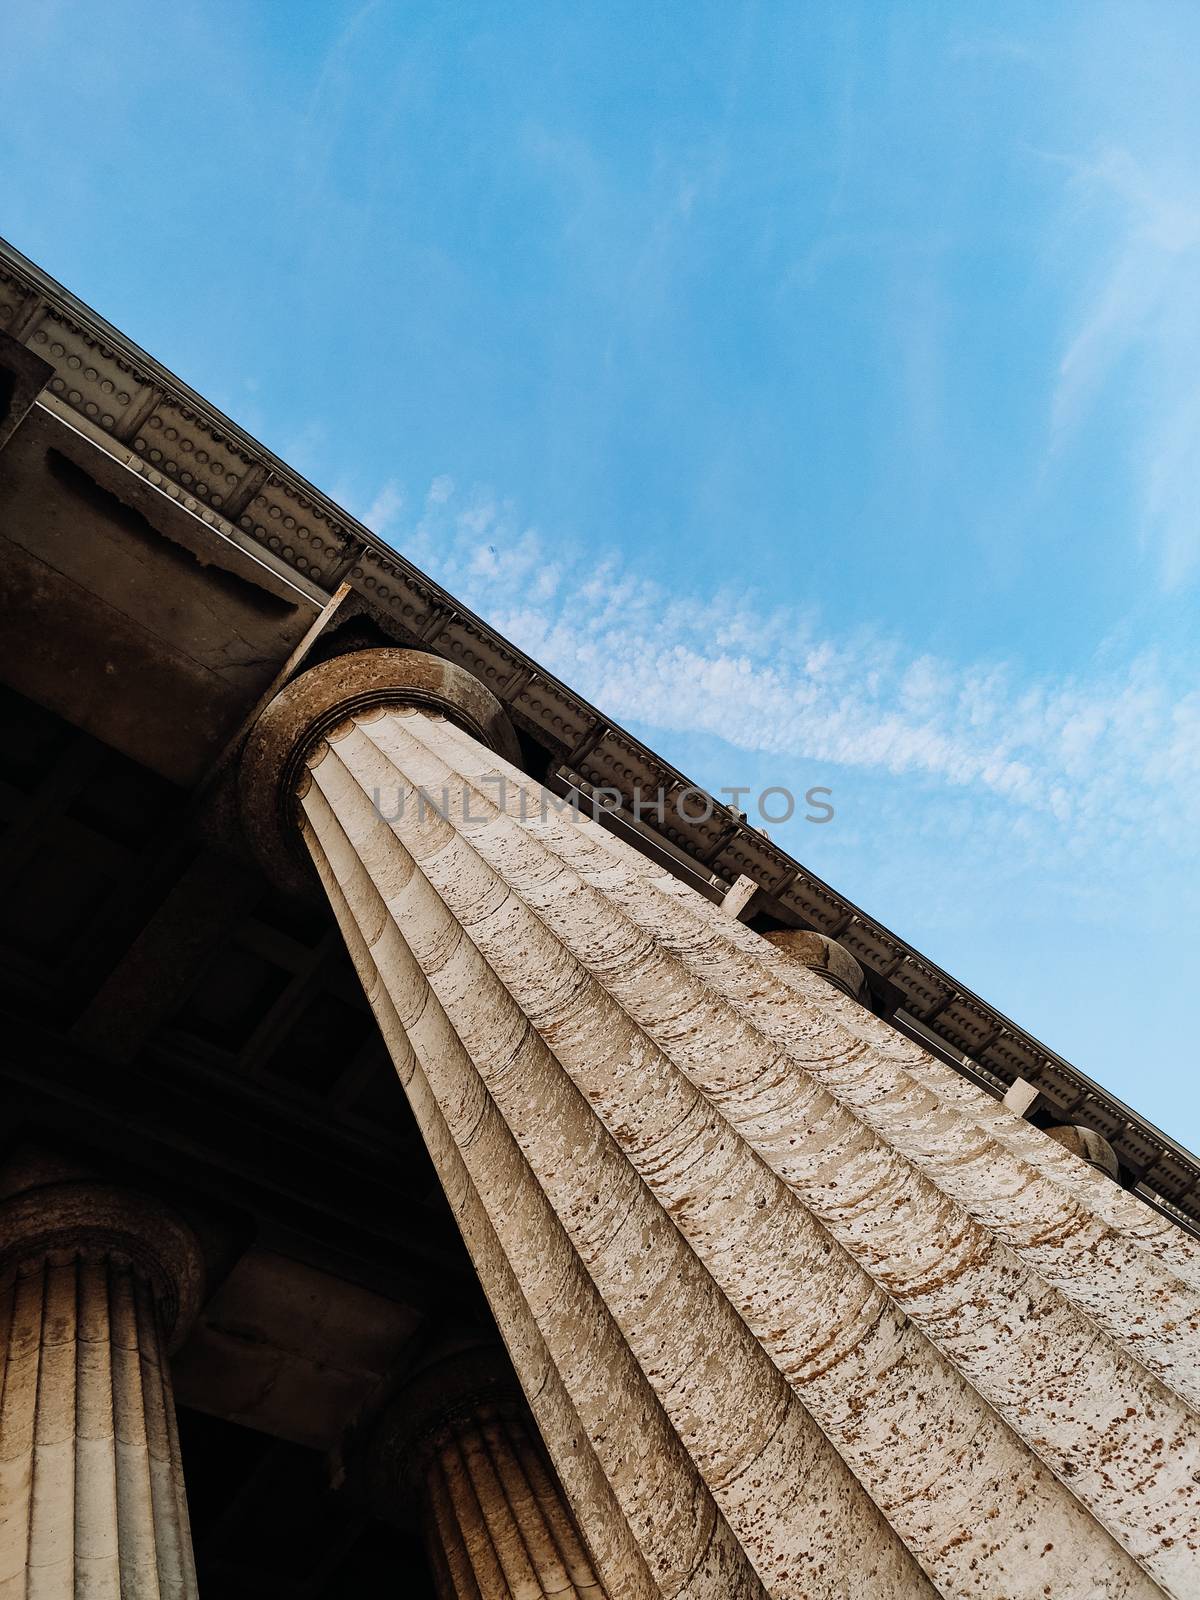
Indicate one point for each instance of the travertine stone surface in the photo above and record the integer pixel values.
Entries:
(93, 1284)
(813, 1321)
(495, 1521)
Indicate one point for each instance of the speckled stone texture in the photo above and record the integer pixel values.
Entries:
(797, 1310)
(92, 1500)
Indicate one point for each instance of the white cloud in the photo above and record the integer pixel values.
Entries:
(387, 505)
(1087, 764)
(1137, 323)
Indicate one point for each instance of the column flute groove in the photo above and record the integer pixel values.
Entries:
(1060, 1237)
(727, 1403)
(1161, 1322)
(660, 903)
(670, 1538)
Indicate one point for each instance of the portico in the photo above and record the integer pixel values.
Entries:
(439, 1180)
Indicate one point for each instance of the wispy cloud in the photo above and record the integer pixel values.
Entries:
(387, 505)
(1090, 764)
(1137, 323)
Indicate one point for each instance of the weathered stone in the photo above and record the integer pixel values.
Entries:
(857, 1344)
(300, 712)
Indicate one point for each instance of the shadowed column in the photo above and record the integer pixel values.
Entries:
(458, 1442)
(94, 1282)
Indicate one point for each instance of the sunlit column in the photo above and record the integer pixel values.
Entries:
(811, 1324)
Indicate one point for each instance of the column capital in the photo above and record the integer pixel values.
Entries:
(1089, 1146)
(314, 703)
(453, 1389)
(824, 955)
(97, 1220)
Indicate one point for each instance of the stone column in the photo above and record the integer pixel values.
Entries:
(94, 1283)
(794, 1314)
(460, 1444)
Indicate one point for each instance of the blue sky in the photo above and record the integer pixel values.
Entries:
(816, 387)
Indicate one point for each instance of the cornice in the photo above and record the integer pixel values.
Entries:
(246, 492)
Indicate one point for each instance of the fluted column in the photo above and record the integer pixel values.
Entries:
(94, 1282)
(794, 1313)
(458, 1441)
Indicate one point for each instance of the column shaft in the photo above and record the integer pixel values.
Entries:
(495, 1523)
(822, 1331)
(91, 1485)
